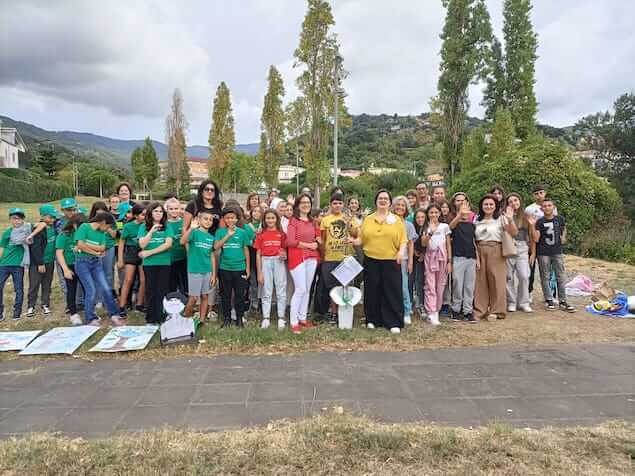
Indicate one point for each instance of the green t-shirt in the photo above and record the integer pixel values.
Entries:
(66, 242)
(200, 248)
(110, 241)
(49, 251)
(177, 251)
(130, 233)
(232, 256)
(12, 254)
(90, 236)
(158, 238)
(251, 230)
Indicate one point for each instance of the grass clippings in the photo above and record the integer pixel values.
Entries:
(333, 444)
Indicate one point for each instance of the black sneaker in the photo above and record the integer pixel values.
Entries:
(445, 311)
(469, 318)
(456, 316)
(123, 312)
(17, 317)
(140, 308)
(550, 306)
(566, 307)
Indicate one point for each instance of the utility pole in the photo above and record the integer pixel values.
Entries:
(297, 168)
(336, 87)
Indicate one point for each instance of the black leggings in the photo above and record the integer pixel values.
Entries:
(71, 291)
(157, 287)
(178, 276)
(383, 299)
(233, 282)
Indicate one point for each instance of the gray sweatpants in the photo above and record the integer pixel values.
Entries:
(463, 278)
(40, 281)
(546, 264)
(518, 269)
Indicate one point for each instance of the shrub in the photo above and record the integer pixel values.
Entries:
(21, 186)
(615, 244)
(584, 199)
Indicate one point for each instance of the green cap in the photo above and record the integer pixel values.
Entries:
(16, 211)
(48, 210)
(123, 209)
(68, 203)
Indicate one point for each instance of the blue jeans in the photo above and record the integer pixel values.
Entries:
(108, 264)
(91, 274)
(405, 291)
(17, 276)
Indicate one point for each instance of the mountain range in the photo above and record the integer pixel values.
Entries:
(114, 151)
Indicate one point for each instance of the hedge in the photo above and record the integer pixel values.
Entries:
(584, 199)
(17, 185)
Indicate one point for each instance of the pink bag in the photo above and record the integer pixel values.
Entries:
(582, 283)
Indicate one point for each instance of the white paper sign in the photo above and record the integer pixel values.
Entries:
(16, 340)
(125, 338)
(347, 270)
(61, 340)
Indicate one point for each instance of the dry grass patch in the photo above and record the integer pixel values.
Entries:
(333, 444)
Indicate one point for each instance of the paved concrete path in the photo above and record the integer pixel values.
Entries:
(561, 385)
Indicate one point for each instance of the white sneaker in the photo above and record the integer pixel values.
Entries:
(511, 308)
(76, 320)
(433, 317)
(30, 312)
(264, 324)
(46, 310)
(95, 322)
(370, 325)
(281, 324)
(526, 308)
(99, 305)
(407, 319)
(116, 321)
(212, 315)
(395, 330)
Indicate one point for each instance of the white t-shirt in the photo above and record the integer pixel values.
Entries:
(437, 240)
(536, 210)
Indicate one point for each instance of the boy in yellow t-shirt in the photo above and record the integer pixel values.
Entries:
(335, 229)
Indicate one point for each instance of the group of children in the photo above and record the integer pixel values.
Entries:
(281, 253)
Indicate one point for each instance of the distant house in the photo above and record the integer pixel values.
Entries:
(198, 170)
(286, 173)
(10, 144)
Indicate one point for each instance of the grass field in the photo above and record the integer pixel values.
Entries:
(31, 209)
(333, 444)
(540, 327)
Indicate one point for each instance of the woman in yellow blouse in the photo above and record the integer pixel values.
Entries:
(383, 239)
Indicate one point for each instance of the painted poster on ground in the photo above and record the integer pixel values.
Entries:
(124, 338)
(61, 340)
(16, 340)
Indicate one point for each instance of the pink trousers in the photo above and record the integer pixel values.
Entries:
(435, 281)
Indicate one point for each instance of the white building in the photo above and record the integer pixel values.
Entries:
(10, 144)
(286, 173)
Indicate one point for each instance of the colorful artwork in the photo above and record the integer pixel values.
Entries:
(124, 338)
(61, 340)
(17, 340)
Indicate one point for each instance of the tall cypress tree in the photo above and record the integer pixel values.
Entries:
(466, 35)
(520, 57)
(502, 141)
(150, 164)
(494, 94)
(222, 139)
(175, 128)
(272, 123)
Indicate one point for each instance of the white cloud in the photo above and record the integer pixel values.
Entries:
(111, 67)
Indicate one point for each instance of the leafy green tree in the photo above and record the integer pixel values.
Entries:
(521, 43)
(316, 54)
(585, 199)
(48, 160)
(185, 187)
(465, 38)
(150, 164)
(99, 182)
(222, 139)
(502, 140)
(474, 149)
(175, 130)
(273, 128)
(612, 135)
(138, 167)
(242, 172)
(494, 94)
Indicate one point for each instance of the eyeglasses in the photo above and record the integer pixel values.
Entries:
(305, 202)
(209, 189)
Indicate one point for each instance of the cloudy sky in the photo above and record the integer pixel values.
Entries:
(110, 67)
